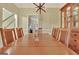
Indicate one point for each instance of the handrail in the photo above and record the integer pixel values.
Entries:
(9, 23)
(8, 18)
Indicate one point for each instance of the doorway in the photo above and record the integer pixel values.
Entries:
(33, 23)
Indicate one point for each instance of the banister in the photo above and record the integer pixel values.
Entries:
(9, 24)
(7, 18)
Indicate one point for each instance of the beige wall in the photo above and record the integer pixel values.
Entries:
(47, 20)
(51, 19)
(9, 6)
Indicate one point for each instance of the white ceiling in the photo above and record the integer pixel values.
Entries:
(48, 5)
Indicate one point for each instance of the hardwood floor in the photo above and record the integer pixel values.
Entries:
(43, 44)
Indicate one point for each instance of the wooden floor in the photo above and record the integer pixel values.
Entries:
(43, 44)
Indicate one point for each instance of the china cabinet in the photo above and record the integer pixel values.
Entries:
(70, 16)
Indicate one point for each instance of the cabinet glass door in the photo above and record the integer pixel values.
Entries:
(68, 15)
(75, 15)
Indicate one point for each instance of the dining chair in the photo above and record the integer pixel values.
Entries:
(63, 36)
(7, 36)
(19, 32)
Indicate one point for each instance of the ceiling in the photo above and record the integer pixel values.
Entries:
(48, 5)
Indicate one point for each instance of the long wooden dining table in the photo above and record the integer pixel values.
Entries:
(43, 44)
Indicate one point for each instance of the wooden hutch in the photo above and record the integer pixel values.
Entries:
(70, 20)
(70, 16)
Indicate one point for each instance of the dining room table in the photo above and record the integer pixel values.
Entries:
(42, 44)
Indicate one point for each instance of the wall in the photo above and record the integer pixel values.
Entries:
(50, 19)
(47, 20)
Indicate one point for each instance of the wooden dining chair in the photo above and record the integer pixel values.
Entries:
(19, 32)
(22, 31)
(55, 33)
(63, 36)
(7, 36)
(15, 34)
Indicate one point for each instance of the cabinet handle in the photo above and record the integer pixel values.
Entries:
(75, 40)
